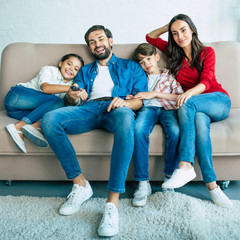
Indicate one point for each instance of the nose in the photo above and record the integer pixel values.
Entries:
(180, 35)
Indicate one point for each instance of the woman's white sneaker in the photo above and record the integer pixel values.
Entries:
(219, 198)
(109, 225)
(140, 196)
(179, 178)
(78, 195)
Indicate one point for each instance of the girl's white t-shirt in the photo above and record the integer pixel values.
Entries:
(48, 74)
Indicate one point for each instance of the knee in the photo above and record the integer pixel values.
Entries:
(125, 122)
(173, 133)
(49, 121)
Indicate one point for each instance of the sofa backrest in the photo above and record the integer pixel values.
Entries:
(22, 61)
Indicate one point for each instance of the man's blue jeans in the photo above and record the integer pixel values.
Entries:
(92, 115)
(29, 105)
(146, 119)
(194, 118)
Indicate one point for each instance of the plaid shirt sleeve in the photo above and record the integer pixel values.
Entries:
(168, 84)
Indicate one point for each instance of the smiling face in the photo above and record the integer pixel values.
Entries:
(69, 68)
(100, 45)
(149, 63)
(182, 33)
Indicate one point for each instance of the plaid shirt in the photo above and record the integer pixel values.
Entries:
(167, 84)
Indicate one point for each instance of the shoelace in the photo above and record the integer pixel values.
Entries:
(108, 218)
(72, 195)
(141, 190)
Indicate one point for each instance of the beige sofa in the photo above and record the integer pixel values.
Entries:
(22, 61)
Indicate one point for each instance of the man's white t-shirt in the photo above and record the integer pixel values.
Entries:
(103, 83)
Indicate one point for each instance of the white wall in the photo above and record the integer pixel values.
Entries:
(66, 21)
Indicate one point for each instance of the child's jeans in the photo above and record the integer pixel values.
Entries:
(146, 119)
(29, 105)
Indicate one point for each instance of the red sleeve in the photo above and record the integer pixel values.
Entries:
(208, 71)
(158, 43)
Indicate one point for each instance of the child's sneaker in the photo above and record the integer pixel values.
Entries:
(78, 195)
(140, 196)
(109, 225)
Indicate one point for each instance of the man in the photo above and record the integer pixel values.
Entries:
(104, 83)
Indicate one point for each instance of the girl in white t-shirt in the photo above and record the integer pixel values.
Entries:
(29, 101)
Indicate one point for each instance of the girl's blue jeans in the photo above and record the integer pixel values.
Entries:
(146, 119)
(29, 105)
(194, 118)
(80, 119)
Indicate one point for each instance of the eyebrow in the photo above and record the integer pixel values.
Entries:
(180, 29)
(99, 37)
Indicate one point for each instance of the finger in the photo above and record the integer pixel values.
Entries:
(111, 105)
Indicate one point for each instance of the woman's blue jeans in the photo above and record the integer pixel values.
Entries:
(194, 118)
(146, 119)
(80, 119)
(29, 105)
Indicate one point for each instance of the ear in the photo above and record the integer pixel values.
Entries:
(110, 41)
(157, 56)
(60, 64)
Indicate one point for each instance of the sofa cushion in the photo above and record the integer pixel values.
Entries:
(224, 135)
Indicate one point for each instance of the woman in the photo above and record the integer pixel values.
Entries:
(203, 101)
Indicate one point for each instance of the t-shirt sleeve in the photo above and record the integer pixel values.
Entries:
(48, 75)
(140, 83)
(208, 70)
(158, 43)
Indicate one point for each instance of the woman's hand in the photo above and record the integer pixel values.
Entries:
(182, 98)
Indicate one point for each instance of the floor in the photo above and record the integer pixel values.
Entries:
(62, 189)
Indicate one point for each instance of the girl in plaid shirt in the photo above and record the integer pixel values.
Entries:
(159, 107)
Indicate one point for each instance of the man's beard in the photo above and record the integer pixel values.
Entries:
(103, 56)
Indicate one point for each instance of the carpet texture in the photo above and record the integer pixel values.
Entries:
(166, 216)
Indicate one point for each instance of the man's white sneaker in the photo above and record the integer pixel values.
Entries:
(109, 225)
(140, 196)
(167, 189)
(179, 178)
(219, 198)
(78, 195)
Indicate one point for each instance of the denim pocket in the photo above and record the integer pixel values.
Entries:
(11, 98)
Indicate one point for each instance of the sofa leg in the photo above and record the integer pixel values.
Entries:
(8, 182)
(223, 184)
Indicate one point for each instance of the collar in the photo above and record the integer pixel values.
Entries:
(112, 60)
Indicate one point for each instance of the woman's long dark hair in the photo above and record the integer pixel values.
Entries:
(176, 53)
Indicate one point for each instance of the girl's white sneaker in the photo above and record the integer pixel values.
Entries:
(219, 198)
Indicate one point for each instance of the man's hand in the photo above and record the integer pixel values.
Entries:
(116, 103)
(73, 95)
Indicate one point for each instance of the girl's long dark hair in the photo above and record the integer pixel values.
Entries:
(176, 53)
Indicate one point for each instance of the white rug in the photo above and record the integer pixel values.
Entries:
(166, 216)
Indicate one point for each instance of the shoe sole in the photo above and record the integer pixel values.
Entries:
(70, 213)
(38, 140)
(12, 134)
